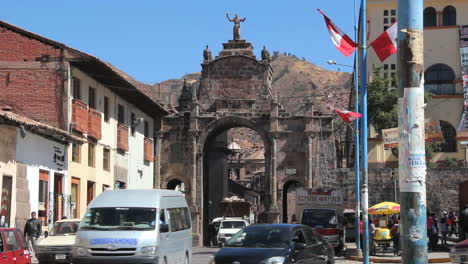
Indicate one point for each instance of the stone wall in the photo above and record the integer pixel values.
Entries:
(441, 187)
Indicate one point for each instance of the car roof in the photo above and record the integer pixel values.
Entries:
(283, 226)
(69, 220)
(148, 198)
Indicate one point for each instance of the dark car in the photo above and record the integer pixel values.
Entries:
(275, 244)
(459, 252)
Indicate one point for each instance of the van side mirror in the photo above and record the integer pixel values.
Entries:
(46, 234)
(163, 228)
(299, 246)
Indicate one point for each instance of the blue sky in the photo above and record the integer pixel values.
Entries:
(156, 40)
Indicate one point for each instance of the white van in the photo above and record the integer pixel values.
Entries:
(135, 226)
(229, 227)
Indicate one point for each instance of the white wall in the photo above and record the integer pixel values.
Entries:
(39, 153)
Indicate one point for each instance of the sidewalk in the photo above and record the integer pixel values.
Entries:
(389, 257)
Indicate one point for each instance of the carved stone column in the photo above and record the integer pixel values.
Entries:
(310, 161)
(274, 210)
(193, 190)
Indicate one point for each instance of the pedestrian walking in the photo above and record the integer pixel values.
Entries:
(432, 231)
(453, 224)
(32, 230)
(444, 227)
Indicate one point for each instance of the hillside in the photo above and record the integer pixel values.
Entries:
(293, 81)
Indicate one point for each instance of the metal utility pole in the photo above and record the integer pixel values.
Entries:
(412, 158)
(365, 190)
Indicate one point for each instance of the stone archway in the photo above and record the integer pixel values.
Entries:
(235, 90)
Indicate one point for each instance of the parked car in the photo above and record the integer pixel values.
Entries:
(459, 252)
(275, 244)
(57, 246)
(135, 226)
(13, 247)
(229, 227)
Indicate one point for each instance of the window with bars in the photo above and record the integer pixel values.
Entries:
(389, 17)
(439, 79)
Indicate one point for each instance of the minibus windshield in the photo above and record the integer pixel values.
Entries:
(119, 218)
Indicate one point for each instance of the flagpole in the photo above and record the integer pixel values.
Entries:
(357, 192)
(365, 191)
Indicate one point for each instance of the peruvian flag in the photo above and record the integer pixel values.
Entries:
(342, 42)
(348, 116)
(386, 44)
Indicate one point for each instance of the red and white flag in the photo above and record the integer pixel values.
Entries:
(348, 116)
(342, 42)
(386, 44)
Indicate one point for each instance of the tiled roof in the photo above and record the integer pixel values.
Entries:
(8, 117)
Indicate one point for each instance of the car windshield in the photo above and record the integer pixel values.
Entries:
(64, 228)
(233, 224)
(319, 218)
(119, 218)
(260, 237)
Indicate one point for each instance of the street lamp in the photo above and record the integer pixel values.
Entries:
(332, 62)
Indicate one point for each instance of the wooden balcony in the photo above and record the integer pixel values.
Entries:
(79, 116)
(94, 124)
(148, 150)
(122, 137)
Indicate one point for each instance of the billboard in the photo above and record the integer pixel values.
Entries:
(433, 133)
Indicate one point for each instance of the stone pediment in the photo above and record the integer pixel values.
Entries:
(234, 80)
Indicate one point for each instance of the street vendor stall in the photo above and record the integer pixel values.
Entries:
(383, 236)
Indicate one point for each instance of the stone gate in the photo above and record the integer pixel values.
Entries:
(235, 90)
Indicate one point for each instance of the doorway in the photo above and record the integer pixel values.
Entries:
(289, 201)
(6, 199)
(58, 196)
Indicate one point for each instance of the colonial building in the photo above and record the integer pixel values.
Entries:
(443, 43)
(33, 180)
(68, 89)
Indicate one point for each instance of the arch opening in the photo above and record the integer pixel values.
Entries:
(439, 79)
(289, 201)
(176, 184)
(449, 16)
(235, 164)
(430, 17)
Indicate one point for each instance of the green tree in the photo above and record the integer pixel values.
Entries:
(382, 102)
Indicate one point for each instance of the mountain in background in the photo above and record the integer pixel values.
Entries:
(294, 80)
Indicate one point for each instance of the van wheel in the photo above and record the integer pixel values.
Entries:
(45, 262)
(165, 260)
(186, 261)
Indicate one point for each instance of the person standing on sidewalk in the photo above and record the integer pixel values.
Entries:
(32, 230)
